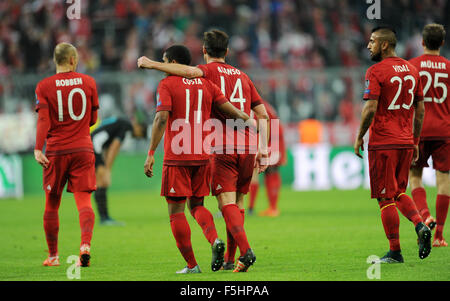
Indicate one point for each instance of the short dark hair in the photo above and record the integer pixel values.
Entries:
(179, 53)
(216, 43)
(433, 35)
(387, 34)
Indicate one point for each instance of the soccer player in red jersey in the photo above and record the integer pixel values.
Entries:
(435, 137)
(233, 162)
(182, 103)
(272, 178)
(67, 104)
(394, 102)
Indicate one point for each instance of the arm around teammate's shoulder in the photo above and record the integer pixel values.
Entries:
(170, 68)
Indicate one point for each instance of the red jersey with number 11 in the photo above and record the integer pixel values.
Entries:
(395, 83)
(189, 102)
(434, 73)
(70, 98)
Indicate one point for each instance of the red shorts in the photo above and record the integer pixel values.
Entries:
(78, 169)
(232, 172)
(439, 150)
(389, 171)
(185, 181)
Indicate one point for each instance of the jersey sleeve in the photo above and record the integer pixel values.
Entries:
(372, 85)
(163, 98)
(204, 69)
(418, 94)
(256, 98)
(41, 101)
(95, 103)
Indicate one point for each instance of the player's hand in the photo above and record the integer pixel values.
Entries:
(261, 161)
(144, 62)
(359, 143)
(41, 158)
(415, 154)
(148, 166)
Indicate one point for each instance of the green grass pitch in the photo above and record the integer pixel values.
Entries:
(318, 236)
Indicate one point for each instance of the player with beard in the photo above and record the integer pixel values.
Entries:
(435, 137)
(394, 102)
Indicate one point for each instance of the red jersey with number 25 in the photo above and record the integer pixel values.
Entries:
(395, 83)
(70, 98)
(189, 102)
(434, 73)
(239, 89)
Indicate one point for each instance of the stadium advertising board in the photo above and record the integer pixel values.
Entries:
(324, 167)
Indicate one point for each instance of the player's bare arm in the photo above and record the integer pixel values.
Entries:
(418, 121)
(158, 128)
(261, 161)
(367, 115)
(231, 111)
(170, 68)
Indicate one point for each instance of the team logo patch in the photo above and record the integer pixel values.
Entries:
(158, 101)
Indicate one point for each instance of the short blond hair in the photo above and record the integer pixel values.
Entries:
(63, 52)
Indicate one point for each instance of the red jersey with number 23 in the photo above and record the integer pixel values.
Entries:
(395, 83)
(434, 73)
(70, 98)
(189, 102)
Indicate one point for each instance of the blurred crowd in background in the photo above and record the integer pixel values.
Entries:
(293, 36)
(274, 34)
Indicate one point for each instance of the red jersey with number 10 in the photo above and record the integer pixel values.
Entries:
(70, 98)
(395, 83)
(239, 89)
(189, 102)
(434, 73)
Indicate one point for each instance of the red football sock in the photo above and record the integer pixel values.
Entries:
(51, 222)
(391, 223)
(235, 224)
(408, 208)
(86, 216)
(273, 184)
(419, 196)
(182, 233)
(442, 202)
(253, 192)
(205, 219)
(231, 243)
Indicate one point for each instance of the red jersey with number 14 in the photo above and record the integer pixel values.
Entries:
(189, 102)
(395, 83)
(70, 98)
(434, 73)
(239, 89)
